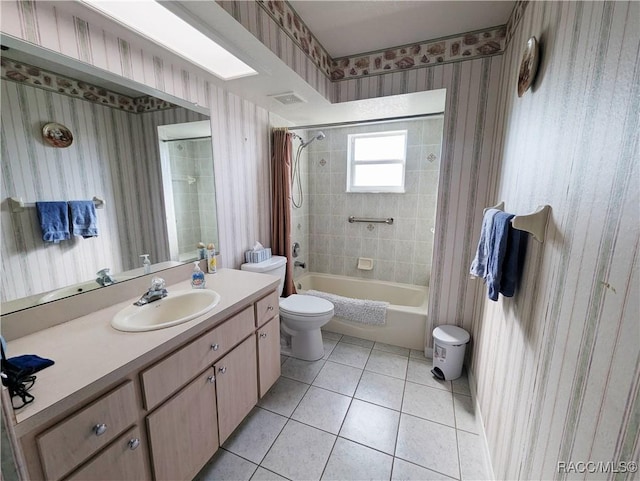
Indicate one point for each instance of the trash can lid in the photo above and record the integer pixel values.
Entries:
(451, 335)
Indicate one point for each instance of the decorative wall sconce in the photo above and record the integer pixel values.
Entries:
(528, 66)
(57, 135)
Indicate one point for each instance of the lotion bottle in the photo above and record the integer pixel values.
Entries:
(146, 263)
(197, 277)
(211, 259)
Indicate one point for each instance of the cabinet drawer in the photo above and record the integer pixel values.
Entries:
(70, 442)
(124, 459)
(266, 308)
(163, 379)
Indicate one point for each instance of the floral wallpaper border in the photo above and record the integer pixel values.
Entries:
(291, 23)
(37, 77)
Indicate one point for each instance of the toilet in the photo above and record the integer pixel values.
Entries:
(301, 316)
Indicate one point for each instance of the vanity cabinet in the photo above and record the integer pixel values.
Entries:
(183, 432)
(124, 459)
(236, 386)
(166, 413)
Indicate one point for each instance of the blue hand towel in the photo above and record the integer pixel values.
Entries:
(480, 262)
(83, 218)
(30, 363)
(513, 261)
(54, 221)
(497, 250)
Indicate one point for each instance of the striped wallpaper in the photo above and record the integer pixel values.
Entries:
(114, 156)
(558, 366)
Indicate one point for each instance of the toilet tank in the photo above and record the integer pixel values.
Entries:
(276, 266)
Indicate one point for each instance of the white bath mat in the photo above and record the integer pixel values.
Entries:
(357, 310)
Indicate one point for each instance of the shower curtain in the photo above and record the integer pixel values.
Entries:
(281, 202)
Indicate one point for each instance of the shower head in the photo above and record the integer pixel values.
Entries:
(320, 136)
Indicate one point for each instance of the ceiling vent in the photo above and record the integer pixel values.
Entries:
(288, 98)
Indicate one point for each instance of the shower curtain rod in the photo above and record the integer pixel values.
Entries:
(360, 122)
(187, 138)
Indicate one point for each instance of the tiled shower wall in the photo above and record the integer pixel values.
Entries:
(401, 252)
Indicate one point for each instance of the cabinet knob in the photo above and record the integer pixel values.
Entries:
(263, 335)
(222, 369)
(270, 308)
(215, 347)
(211, 379)
(99, 429)
(133, 443)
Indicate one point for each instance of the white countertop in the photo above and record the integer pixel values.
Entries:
(90, 355)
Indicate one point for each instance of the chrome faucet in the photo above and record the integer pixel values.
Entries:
(104, 277)
(155, 292)
(300, 264)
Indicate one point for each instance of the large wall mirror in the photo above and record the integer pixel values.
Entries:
(116, 155)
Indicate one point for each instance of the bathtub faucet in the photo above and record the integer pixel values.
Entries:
(300, 264)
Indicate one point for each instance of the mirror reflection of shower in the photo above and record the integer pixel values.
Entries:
(189, 188)
(296, 177)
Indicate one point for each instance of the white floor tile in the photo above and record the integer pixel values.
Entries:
(351, 461)
(400, 351)
(371, 425)
(331, 335)
(420, 372)
(350, 354)
(428, 403)
(329, 345)
(428, 444)
(284, 396)
(304, 371)
(255, 435)
(339, 378)
(379, 389)
(465, 411)
(461, 385)
(262, 474)
(322, 409)
(357, 341)
(226, 466)
(419, 355)
(300, 452)
(405, 471)
(473, 462)
(387, 364)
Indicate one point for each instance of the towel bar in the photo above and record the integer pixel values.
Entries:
(534, 223)
(16, 204)
(388, 220)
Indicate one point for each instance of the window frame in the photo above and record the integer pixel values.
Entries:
(352, 163)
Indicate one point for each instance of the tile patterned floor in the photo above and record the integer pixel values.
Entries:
(365, 411)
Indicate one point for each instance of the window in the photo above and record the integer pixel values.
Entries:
(376, 162)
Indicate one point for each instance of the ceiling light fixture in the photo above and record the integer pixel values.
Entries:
(163, 27)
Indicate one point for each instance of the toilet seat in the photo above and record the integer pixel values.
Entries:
(301, 305)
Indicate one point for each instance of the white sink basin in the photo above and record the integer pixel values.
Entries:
(176, 308)
(76, 289)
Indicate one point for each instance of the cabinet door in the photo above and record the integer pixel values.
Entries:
(236, 386)
(183, 432)
(268, 355)
(124, 459)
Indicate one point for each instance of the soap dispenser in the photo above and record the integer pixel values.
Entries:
(197, 277)
(146, 263)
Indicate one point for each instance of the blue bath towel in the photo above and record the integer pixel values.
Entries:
(479, 265)
(54, 221)
(497, 253)
(513, 261)
(83, 218)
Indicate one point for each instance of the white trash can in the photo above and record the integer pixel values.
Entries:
(449, 343)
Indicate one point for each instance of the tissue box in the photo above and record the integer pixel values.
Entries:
(257, 256)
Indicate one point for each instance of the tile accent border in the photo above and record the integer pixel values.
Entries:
(36, 77)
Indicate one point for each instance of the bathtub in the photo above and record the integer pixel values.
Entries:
(406, 315)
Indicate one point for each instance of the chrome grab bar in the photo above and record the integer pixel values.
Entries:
(388, 220)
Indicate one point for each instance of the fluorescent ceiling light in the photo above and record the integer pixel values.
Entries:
(160, 25)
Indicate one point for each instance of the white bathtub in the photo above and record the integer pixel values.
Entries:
(406, 315)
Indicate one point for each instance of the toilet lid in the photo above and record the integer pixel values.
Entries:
(302, 305)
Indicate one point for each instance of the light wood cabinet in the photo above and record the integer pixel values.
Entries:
(268, 340)
(124, 459)
(236, 386)
(183, 432)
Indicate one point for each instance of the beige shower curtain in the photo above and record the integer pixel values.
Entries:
(281, 202)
